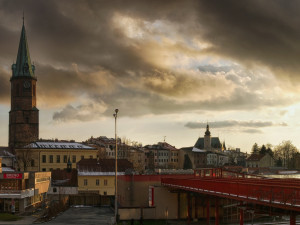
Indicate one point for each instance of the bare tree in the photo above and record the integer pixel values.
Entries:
(24, 154)
(285, 151)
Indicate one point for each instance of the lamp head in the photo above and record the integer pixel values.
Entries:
(116, 110)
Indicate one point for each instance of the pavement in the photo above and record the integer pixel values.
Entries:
(83, 215)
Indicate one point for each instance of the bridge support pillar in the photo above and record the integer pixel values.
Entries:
(217, 211)
(207, 211)
(292, 219)
(241, 217)
(189, 207)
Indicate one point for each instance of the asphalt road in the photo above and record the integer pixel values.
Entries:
(84, 216)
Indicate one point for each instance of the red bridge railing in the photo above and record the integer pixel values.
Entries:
(279, 193)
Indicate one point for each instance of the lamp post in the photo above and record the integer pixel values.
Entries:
(116, 167)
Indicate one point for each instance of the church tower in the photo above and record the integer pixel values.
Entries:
(207, 139)
(23, 116)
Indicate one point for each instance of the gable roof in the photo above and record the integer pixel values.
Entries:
(103, 165)
(255, 157)
(58, 145)
(215, 143)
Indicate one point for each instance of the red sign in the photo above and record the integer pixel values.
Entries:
(12, 175)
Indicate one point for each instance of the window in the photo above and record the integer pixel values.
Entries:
(58, 158)
(65, 159)
(32, 162)
(33, 90)
(74, 158)
(85, 182)
(18, 90)
(50, 169)
(54, 190)
(43, 158)
(82, 157)
(97, 182)
(104, 193)
(51, 158)
(105, 182)
(44, 169)
(91, 156)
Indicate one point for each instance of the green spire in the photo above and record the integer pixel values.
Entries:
(23, 66)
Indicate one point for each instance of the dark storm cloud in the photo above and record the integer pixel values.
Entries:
(4, 86)
(234, 123)
(81, 53)
(265, 32)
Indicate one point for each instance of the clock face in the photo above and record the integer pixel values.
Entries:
(26, 84)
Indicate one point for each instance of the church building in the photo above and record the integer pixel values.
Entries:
(23, 116)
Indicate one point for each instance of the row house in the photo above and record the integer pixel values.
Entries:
(107, 146)
(161, 155)
(201, 158)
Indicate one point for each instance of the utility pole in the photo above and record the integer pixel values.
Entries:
(116, 168)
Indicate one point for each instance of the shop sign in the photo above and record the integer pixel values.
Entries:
(12, 175)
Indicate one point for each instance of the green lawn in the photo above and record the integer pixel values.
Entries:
(8, 217)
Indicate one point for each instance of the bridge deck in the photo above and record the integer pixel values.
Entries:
(278, 193)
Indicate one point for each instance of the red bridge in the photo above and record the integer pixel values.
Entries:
(274, 193)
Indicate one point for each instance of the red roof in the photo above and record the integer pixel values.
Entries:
(103, 165)
(255, 157)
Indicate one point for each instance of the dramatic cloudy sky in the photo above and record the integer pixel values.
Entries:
(168, 66)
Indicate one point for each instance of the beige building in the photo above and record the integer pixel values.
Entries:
(256, 160)
(47, 156)
(143, 196)
(98, 176)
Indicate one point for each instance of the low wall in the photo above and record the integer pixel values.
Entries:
(135, 213)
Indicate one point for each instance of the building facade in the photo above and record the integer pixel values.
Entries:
(20, 190)
(97, 177)
(48, 156)
(256, 160)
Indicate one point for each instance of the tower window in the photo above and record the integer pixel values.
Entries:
(18, 90)
(27, 119)
(33, 90)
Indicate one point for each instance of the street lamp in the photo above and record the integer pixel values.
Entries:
(116, 167)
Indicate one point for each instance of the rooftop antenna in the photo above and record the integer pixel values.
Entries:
(165, 138)
(23, 17)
